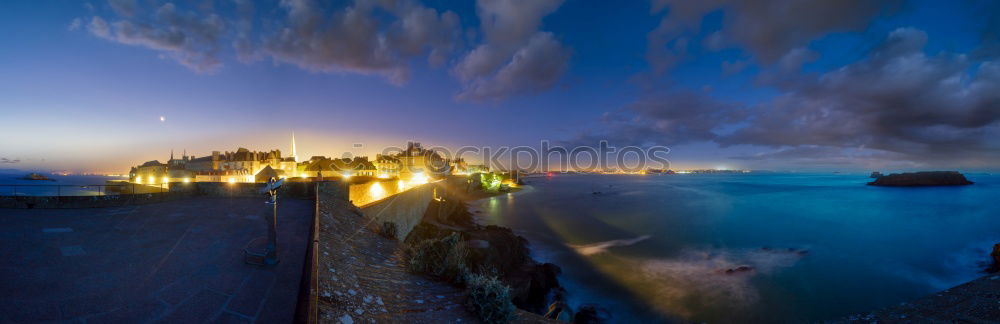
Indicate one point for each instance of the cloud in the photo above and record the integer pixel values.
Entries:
(535, 67)
(186, 37)
(74, 24)
(9, 161)
(896, 104)
(99, 27)
(355, 38)
(371, 37)
(242, 43)
(364, 36)
(734, 67)
(898, 99)
(125, 8)
(669, 117)
(826, 156)
(515, 57)
(767, 30)
(715, 41)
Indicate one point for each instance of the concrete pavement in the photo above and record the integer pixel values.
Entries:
(177, 261)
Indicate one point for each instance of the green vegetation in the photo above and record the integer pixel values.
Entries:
(490, 298)
(490, 181)
(443, 258)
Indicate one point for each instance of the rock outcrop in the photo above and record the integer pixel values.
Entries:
(876, 175)
(922, 179)
(996, 259)
(493, 250)
(591, 314)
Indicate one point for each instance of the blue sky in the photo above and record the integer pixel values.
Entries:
(831, 84)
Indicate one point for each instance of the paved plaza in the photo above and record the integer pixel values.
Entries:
(179, 261)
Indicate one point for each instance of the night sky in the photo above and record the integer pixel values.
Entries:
(780, 85)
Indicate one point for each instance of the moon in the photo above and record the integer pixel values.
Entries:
(163, 119)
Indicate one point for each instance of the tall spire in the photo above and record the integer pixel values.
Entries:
(171, 154)
(294, 156)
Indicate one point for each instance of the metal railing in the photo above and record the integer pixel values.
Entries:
(64, 190)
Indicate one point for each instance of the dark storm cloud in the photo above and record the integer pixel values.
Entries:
(187, 37)
(898, 99)
(381, 37)
(515, 57)
(767, 29)
(897, 103)
(354, 39)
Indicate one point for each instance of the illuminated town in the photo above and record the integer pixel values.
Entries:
(244, 165)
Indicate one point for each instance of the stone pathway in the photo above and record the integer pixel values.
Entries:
(363, 278)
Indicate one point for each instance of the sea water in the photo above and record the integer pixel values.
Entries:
(69, 185)
(813, 247)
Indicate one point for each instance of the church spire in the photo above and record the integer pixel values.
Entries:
(171, 154)
(294, 156)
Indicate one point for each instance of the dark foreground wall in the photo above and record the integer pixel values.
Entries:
(302, 190)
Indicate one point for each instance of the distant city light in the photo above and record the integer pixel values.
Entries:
(232, 180)
(152, 180)
(347, 175)
(166, 180)
(187, 180)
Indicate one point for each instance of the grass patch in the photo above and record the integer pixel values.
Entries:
(490, 298)
(442, 258)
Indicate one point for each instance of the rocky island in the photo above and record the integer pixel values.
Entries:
(36, 176)
(922, 179)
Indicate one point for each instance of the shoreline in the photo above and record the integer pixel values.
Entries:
(568, 289)
(498, 250)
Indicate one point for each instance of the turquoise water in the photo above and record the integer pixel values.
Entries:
(820, 246)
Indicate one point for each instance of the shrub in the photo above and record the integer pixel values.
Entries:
(389, 230)
(490, 298)
(443, 258)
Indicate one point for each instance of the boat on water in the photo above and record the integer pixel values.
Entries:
(36, 176)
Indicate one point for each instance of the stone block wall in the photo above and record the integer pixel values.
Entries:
(405, 209)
